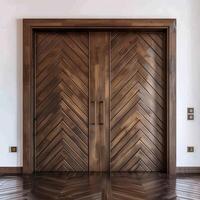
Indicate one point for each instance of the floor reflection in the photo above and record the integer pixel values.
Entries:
(116, 186)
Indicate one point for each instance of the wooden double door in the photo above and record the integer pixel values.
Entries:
(100, 100)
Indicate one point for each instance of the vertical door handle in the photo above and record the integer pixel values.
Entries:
(93, 112)
(101, 112)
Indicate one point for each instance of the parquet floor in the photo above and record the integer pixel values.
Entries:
(117, 186)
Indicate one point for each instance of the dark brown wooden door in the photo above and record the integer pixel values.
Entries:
(100, 101)
(99, 137)
(72, 99)
(62, 95)
(138, 101)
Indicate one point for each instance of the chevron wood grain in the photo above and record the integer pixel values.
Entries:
(62, 76)
(138, 101)
(115, 186)
(122, 75)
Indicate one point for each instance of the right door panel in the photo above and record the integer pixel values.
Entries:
(138, 101)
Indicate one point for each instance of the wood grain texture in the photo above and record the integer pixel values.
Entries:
(61, 104)
(171, 99)
(138, 104)
(188, 170)
(124, 186)
(30, 26)
(28, 100)
(10, 170)
(99, 136)
(100, 23)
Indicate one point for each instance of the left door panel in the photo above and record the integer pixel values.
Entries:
(61, 101)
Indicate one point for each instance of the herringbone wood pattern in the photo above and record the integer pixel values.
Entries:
(138, 101)
(142, 186)
(61, 137)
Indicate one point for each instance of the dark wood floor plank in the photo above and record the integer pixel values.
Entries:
(100, 186)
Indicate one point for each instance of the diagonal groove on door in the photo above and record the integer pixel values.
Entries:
(132, 109)
(138, 128)
(62, 67)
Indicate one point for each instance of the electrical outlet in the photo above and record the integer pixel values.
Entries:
(190, 110)
(13, 149)
(190, 113)
(190, 149)
(190, 117)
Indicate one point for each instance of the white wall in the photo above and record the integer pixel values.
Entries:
(188, 63)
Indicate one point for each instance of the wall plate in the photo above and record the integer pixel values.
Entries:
(190, 110)
(190, 149)
(13, 149)
(190, 116)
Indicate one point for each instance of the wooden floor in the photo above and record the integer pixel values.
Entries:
(99, 186)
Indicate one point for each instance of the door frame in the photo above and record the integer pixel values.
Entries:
(31, 25)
